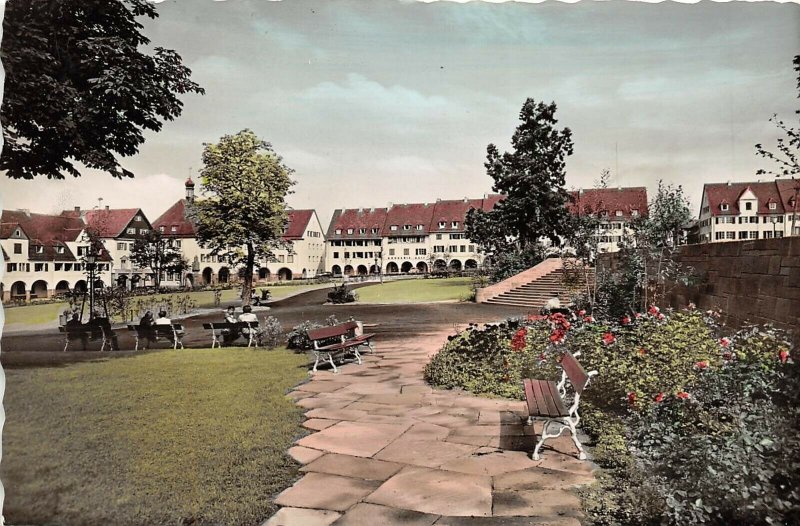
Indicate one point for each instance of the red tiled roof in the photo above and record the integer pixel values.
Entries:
(611, 200)
(787, 189)
(408, 215)
(357, 218)
(297, 223)
(176, 216)
(450, 211)
(490, 201)
(46, 230)
(7, 230)
(778, 191)
(110, 223)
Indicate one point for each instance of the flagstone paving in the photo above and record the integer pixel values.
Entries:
(385, 448)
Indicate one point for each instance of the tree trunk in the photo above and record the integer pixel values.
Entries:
(247, 283)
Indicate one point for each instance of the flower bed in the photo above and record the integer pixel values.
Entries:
(689, 426)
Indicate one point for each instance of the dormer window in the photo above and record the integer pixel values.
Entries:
(39, 249)
(420, 227)
(338, 231)
(17, 233)
(362, 230)
(173, 229)
(442, 224)
(138, 218)
(59, 250)
(773, 206)
(393, 228)
(374, 230)
(454, 224)
(748, 206)
(604, 213)
(618, 213)
(350, 231)
(161, 229)
(724, 207)
(634, 213)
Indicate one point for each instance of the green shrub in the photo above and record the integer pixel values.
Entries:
(342, 294)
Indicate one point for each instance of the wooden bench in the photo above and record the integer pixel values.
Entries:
(85, 333)
(172, 333)
(338, 340)
(217, 330)
(548, 401)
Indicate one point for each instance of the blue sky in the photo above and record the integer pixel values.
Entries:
(389, 101)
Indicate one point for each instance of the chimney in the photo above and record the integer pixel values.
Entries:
(729, 183)
(77, 209)
(107, 208)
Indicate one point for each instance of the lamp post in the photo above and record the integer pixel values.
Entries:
(378, 256)
(91, 265)
(774, 221)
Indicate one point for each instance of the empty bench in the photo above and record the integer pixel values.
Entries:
(86, 333)
(338, 340)
(173, 333)
(236, 329)
(548, 401)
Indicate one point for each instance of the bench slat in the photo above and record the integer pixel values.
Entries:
(539, 396)
(575, 372)
(530, 399)
(555, 396)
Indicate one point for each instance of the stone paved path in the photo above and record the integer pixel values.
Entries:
(388, 449)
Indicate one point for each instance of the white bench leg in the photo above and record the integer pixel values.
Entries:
(66, 345)
(214, 339)
(330, 359)
(581, 452)
(316, 362)
(358, 355)
(546, 435)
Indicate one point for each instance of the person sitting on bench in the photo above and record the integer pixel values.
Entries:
(163, 320)
(229, 335)
(248, 317)
(75, 324)
(98, 320)
(147, 321)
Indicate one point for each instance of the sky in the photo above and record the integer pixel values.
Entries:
(391, 101)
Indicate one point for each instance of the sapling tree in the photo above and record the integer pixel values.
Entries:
(158, 253)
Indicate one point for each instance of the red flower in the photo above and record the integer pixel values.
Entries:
(626, 320)
(609, 338)
(638, 315)
(518, 342)
(557, 336)
(661, 316)
(582, 312)
(631, 398)
(589, 319)
(783, 355)
(725, 342)
(653, 310)
(659, 397)
(682, 395)
(642, 351)
(701, 365)
(542, 357)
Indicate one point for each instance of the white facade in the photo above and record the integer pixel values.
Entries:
(745, 218)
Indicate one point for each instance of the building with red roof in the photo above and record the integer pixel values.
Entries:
(749, 210)
(615, 207)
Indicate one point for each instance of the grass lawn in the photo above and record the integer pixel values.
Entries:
(416, 291)
(174, 437)
(38, 314)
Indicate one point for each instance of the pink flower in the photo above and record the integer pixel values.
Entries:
(682, 395)
(609, 338)
(701, 365)
(725, 342)
(653, 310)
(582, 312)
(589, 319)
(783, 355)
(659, 397)
(631, 398)
(638, 315)
(661, 316)
(626, 320)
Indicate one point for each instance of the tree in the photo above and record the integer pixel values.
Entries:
(788, 156)
(78, 88)
(531, 179)
(244, 216)
(159, 254)
(668, 213)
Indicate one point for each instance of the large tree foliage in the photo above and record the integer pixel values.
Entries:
(787, 157)
(159, 254)
(668, 214)
(243, 217)
(79, 88)
(531, 179)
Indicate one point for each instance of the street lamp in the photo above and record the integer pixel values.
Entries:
(774, 221)
(91, 265)
(379, 255)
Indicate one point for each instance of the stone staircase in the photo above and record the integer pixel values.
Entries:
(530, 289)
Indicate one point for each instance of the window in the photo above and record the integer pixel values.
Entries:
(290, 259)
(391, 252)
(724, 207)
(338, 231)
(40, 267)
(717, 221)
(281, 258)
(349, 230)
(780, 219)
(438, 237)
(121, 246)
(420, 227)
(161, 229)
(773, 206)
(17, 248)
(748, 205)
(82, 251)
(768, 235)
(442, 224)
(463, 248)
(454, 224)
(754, 219)
(362, 230)
(335, 255)
(11, 267)
(393, 228)
(406, 252)
(452, 248)
(742, 220)
(68, 266)
(347, 255)
(471, 248)
(780, 234)
(137, 218)
(58, 266)
(719, 235)
(456, 236)
(742, 235)
(131, 231)
(618, 213)
(406, 227)
(177, 243)
(374, 230)
(730, 235)
(438, 248)
(421, 251)
(635, 213)
(754, 234)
